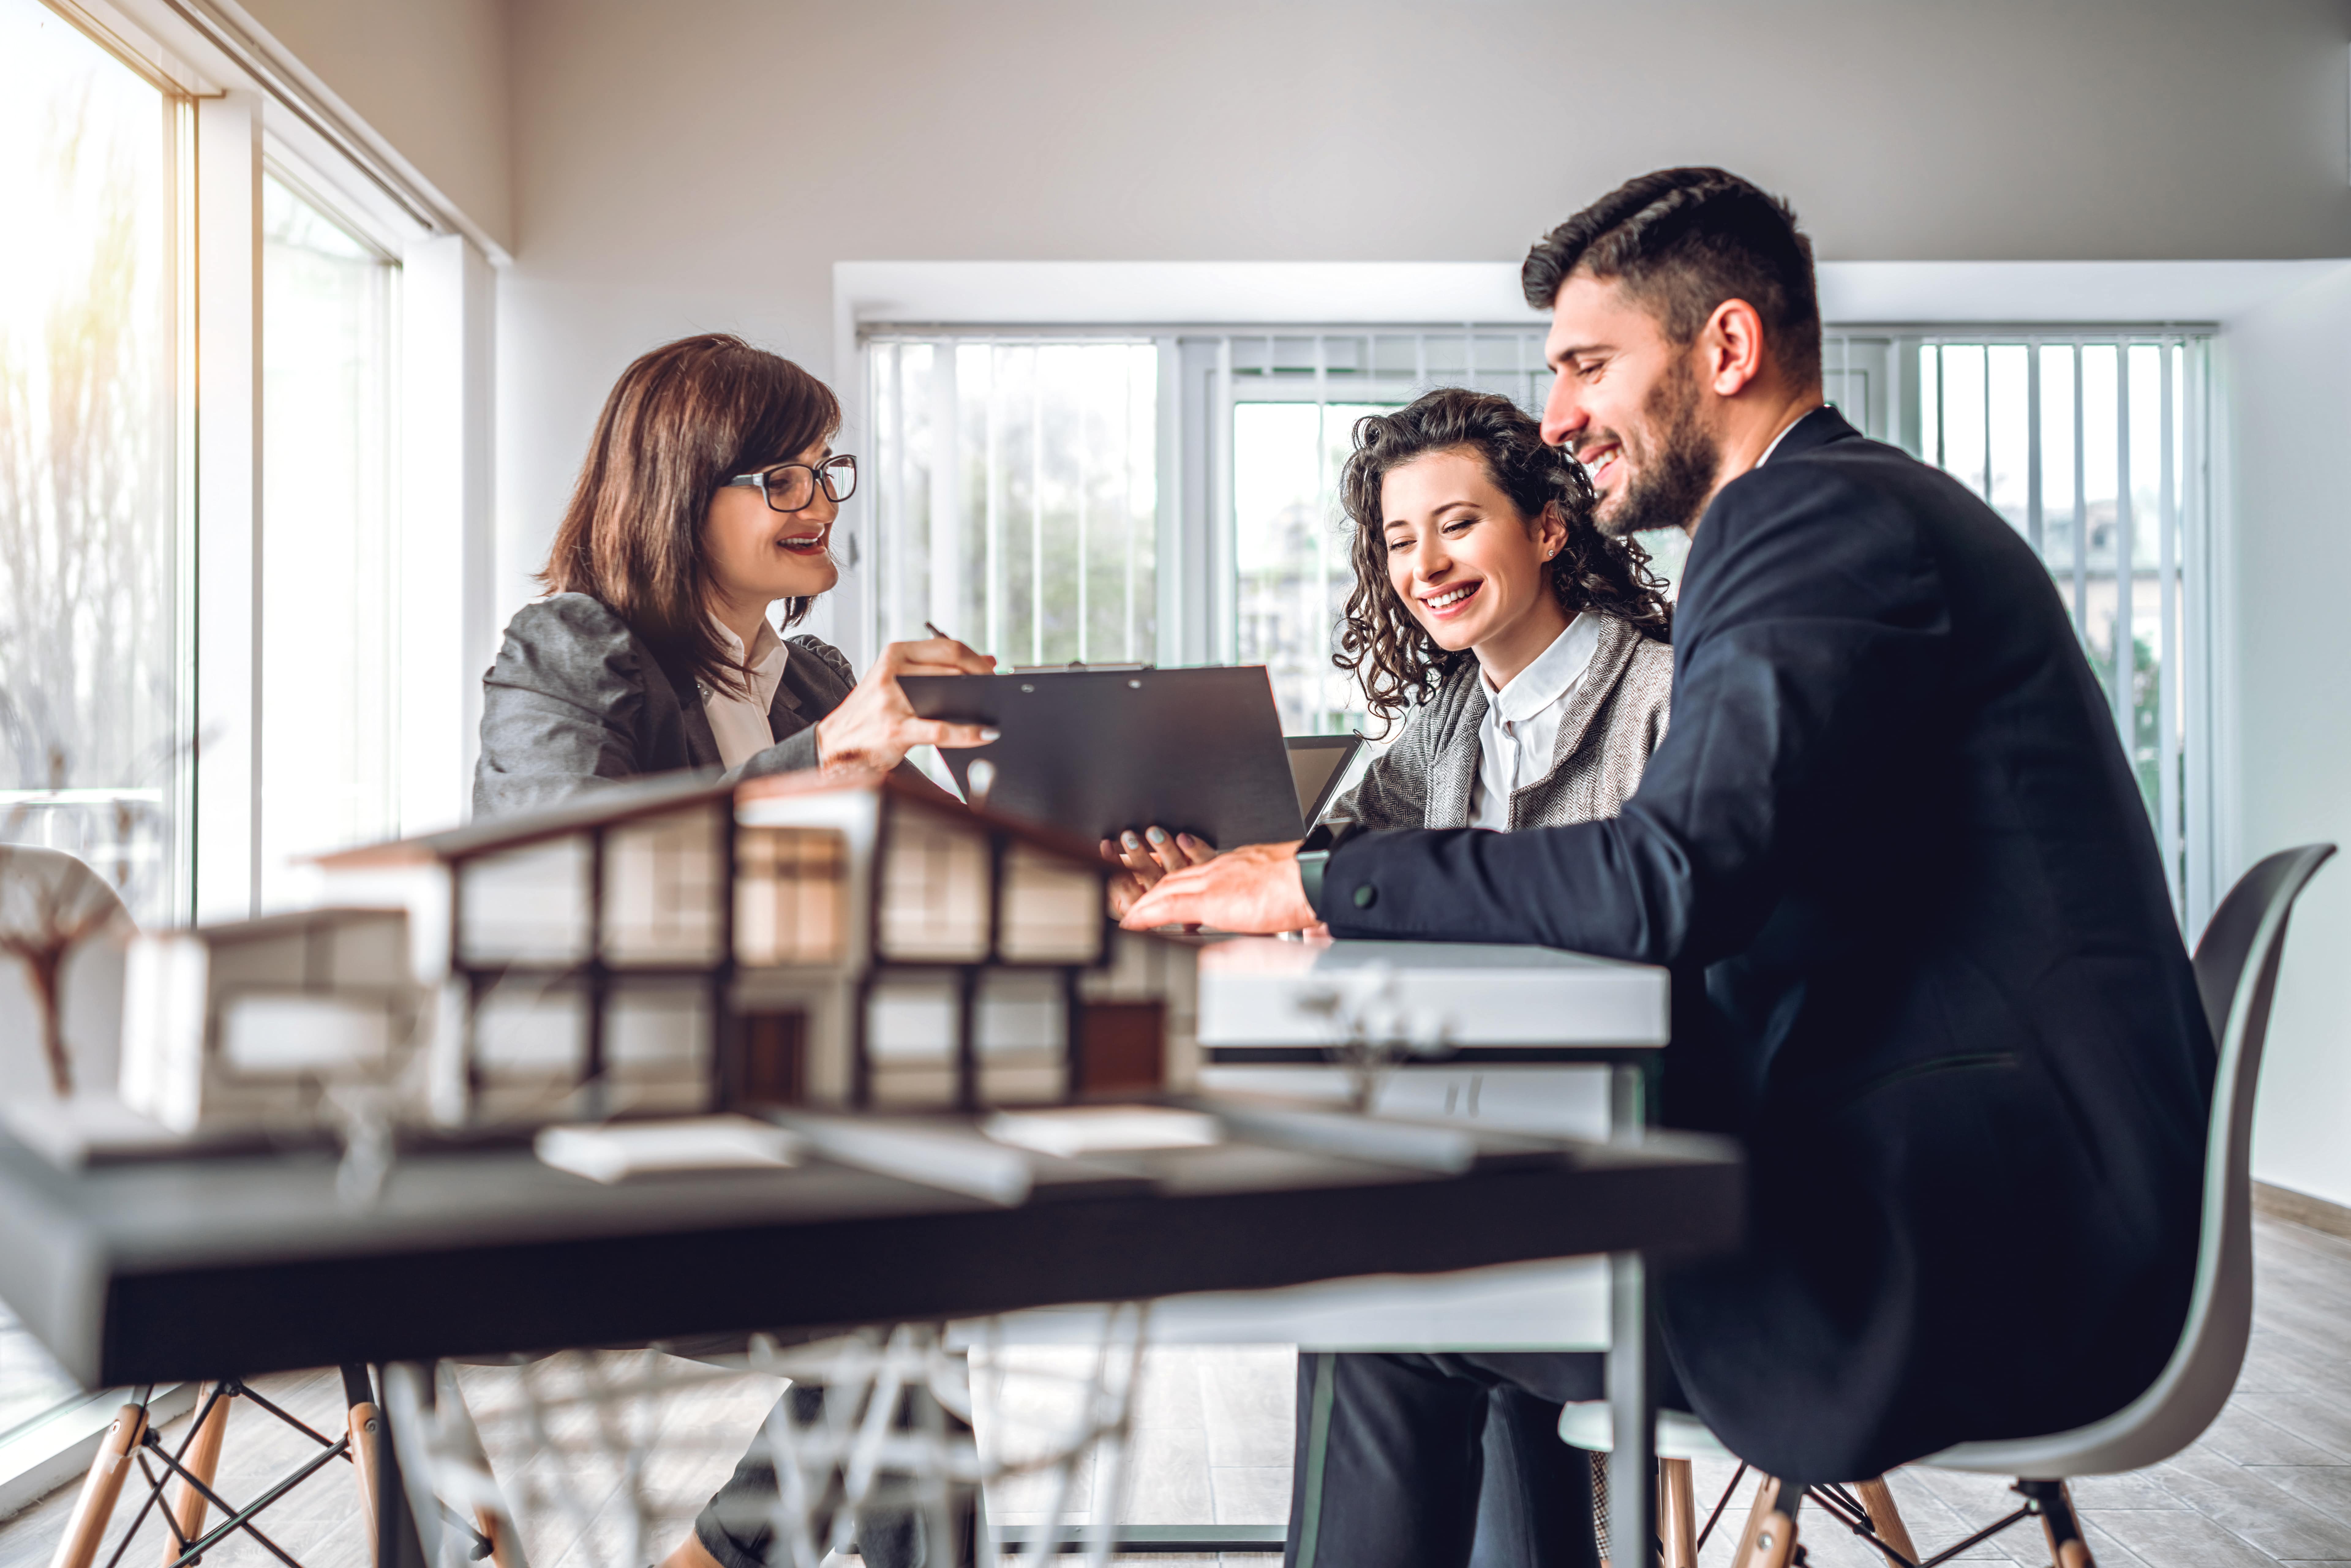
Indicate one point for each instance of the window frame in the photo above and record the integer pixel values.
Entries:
(244, 106)
(236, 105)
(1871, 368)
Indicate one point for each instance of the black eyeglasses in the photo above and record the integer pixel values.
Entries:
(789, 487)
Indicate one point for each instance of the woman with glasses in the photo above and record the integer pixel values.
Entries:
(707, 501)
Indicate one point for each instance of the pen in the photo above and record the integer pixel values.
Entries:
(935, 631)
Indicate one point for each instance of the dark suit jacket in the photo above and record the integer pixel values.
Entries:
(577, 699)
(1926, 966)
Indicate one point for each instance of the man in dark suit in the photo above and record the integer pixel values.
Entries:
(1926, 965)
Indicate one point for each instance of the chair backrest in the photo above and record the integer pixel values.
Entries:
(2236, 974)
(90, 990)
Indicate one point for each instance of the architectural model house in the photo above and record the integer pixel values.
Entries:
(243, 1025)
(801, 940)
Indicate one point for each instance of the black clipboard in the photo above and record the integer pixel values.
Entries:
(1094, 752)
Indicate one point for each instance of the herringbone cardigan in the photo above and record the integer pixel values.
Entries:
(1614, 719)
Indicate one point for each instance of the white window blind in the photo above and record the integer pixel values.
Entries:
(1015, 502)
(330, 558)
(1229, 547)
(2095, 445)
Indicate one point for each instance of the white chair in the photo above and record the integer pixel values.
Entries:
(41, 886)
(2236, 976)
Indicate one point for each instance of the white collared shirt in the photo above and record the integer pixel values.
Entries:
(740, 725)
(1783, 433)
(1521, 724)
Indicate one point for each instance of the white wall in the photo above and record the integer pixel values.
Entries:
(691, 166)
(428, 75)
(2290, 700)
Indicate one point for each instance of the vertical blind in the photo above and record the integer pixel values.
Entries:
(1171, 496)
(1015, 502)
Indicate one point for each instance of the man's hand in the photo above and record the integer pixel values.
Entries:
(1144, 858)
(1254, 888)
(875, 726)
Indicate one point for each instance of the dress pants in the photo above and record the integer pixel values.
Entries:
(1441, 1461)
(734, 1526)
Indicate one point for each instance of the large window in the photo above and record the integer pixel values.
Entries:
(2093, 446)
(329, 566)
(90, 686)
(91, 668)
(214, 401)
(1286, 407)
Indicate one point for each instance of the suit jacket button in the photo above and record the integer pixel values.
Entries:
(1366, 896)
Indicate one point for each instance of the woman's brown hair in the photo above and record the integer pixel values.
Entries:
(680, 422)
(1398, 663)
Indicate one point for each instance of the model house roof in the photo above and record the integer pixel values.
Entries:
(653, 797)
(912, 788)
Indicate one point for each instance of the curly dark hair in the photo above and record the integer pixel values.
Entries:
(1398, 663)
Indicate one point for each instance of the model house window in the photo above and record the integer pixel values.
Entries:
(91, 723)
(933, 891)
(528, 905)
(329, 562)
(661, 894)
(1051, 912)
(791, 894)
(1228, 448)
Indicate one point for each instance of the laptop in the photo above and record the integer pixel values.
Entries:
(1317, 767)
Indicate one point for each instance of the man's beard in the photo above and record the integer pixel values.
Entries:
(1673, 486)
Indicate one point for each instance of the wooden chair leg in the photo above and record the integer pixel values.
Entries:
(506, 1551)
(504, 1547)
(1769, 1539)
(2059, 1522)
(364, 1424)
(78, 1547)
(1767, 1496)
(1676, 1513)
(203, 1461)
(1884, 1517)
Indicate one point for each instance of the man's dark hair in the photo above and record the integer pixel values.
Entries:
(1684, 240)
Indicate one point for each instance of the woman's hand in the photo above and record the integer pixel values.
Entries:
(875, 726)
(1142, 859)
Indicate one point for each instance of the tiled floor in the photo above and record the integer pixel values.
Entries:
(2270, 1483)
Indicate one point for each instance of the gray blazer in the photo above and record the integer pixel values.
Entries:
(1615, 718)
(577, 700)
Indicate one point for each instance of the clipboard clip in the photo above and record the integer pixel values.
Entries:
(1072, 665)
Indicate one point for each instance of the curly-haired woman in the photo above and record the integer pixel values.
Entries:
(1525, 650)
(1528, 650)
